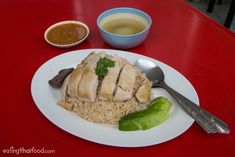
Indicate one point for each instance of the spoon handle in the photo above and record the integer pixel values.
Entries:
(209, 122)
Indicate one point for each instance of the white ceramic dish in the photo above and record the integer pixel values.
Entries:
(66, 45)
(46, 98)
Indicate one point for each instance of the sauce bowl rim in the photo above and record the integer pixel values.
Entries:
(65, 22)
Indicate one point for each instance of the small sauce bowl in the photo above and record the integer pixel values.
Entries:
(66, 34)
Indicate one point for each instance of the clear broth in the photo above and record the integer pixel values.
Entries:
(124, 26)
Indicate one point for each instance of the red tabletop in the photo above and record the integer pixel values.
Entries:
(180, 36)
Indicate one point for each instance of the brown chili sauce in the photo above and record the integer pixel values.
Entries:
(66, 33)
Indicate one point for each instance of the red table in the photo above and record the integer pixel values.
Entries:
(180, 36)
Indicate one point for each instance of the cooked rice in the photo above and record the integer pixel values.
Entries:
(105, 111)
(108, 112)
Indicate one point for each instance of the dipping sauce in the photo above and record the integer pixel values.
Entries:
(124, 26)
(67, 33)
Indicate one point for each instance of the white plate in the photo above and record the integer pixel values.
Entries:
(46, 99)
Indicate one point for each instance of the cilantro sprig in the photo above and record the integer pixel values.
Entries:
(102, 66)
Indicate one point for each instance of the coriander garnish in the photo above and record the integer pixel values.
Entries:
(102, 66)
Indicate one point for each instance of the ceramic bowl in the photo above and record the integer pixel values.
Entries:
(124, 41)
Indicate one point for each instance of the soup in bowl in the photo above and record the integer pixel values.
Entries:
(124, 28)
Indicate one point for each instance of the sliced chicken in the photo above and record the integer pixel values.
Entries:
(120, 60)
(66, 105)
(88, 85)
(73, 83)
(92, 59)
(64, 87)
(144, 92)
(109, 82)
(125, 85)
(123, 82)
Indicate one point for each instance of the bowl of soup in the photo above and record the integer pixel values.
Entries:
(124, 28)
(66, 34)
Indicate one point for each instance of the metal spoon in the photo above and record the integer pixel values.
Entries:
(209, 122)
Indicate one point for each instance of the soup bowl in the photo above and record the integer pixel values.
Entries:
(124, 28)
